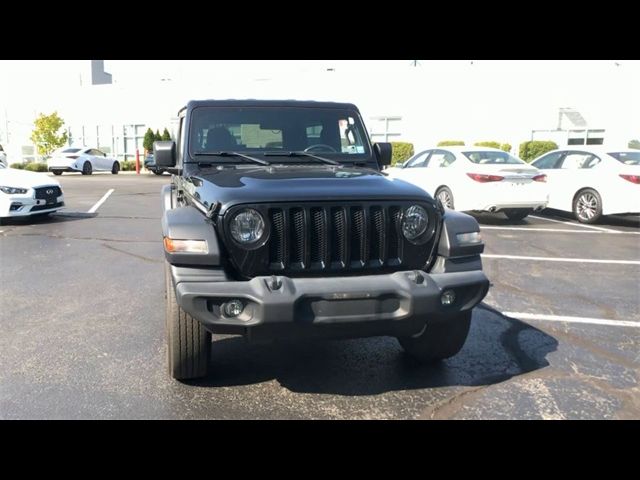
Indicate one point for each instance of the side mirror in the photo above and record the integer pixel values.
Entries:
(164, 154)
(383, 151)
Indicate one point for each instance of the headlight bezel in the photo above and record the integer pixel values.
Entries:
(13, 190)
(256, 243)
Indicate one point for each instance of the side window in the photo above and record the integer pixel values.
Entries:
(548, 161)
(419, 160)
(98, 153)
(579, 160)
(441, 158)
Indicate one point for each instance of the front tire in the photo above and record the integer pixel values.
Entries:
(87, 169)
(158, 172)
(446, 197)
(188, 342)
(57, 172)
(116, 168)
(587, 206)
(517, 213)
(442, 337)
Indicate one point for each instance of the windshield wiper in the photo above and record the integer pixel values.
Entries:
(302, 154)
(232, 154)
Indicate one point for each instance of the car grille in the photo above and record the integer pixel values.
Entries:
(50, 194)
(333, 239)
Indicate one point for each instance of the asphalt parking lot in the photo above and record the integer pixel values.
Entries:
(82, 328)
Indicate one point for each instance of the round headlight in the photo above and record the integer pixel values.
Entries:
(414, 222)
(247, 227)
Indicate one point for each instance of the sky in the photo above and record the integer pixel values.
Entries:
(455, 98)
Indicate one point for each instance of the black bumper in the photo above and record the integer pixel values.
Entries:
(393, 304)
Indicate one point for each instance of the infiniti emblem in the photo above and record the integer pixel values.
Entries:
(49, 191)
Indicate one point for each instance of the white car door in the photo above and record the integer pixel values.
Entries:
(97, 158)
(549, 164)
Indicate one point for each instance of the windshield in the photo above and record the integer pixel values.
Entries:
(329, 132)
(628, 158)
(492, 158)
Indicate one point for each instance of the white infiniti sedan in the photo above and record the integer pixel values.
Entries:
(85, 160)
(592, 181)
(24, 193)
(477, 179)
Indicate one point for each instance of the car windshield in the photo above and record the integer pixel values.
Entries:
(326, 132)
(491, 157)
(628, 158)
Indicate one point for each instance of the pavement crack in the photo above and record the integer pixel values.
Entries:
(140, 257)
(445, 409)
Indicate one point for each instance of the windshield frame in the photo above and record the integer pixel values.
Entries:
(195, 156)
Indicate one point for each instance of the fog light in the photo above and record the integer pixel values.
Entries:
(448, 297)
(233, 308)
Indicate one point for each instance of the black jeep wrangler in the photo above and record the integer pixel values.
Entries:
(280, 223)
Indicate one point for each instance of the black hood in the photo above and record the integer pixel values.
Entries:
(253, 184)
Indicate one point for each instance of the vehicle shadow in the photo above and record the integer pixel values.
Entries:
(498, 348)
(58, 217)
(632, 221)
(497, 218)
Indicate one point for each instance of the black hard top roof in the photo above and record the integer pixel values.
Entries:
(268, 103)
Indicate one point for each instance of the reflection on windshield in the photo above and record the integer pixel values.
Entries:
(492, 158)
(628, 158)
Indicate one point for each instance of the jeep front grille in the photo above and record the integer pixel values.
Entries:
(333, 240)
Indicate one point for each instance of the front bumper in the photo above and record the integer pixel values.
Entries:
(25, 205)
(372, 304)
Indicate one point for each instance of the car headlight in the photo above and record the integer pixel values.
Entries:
(12, 190)
(247, 227)
(414, 223)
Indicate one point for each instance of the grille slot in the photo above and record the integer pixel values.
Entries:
(297, 226)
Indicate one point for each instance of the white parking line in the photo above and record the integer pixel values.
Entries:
(556, 259)
(563, 318)
(556, 230)
(100, 202)
(575, 224)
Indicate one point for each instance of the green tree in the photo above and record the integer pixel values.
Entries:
(147, 142)
(157, 137)
(46, 134)
(450, 143)
(166, 136)
(506, 147)
(634, 144)
(488, 144)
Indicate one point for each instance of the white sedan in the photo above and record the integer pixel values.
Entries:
(25, 193)
(592, 181)
(85, 160)
(477, 179)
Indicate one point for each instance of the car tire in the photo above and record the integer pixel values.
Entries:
(587, 206)
(115, 168)
(158, 172)
(446, 197)
(87, 169)
(57, 172)
(442, 337)
(188, 342)
(517, 213)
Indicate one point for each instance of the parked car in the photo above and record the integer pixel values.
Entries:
(24, 193)
(85, 160)
(3, 157)
(150, 164)
(592, 181)
(477, 179)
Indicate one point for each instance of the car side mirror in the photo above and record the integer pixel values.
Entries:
(383, 151)
(164, 154)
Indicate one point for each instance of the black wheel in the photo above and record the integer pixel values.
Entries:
(57, 172)
(116, 168)
(446, 197)
(517, 213)
(87, 169)
(587, 206)
(441, 338)
(158, 172)
(188, 342)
